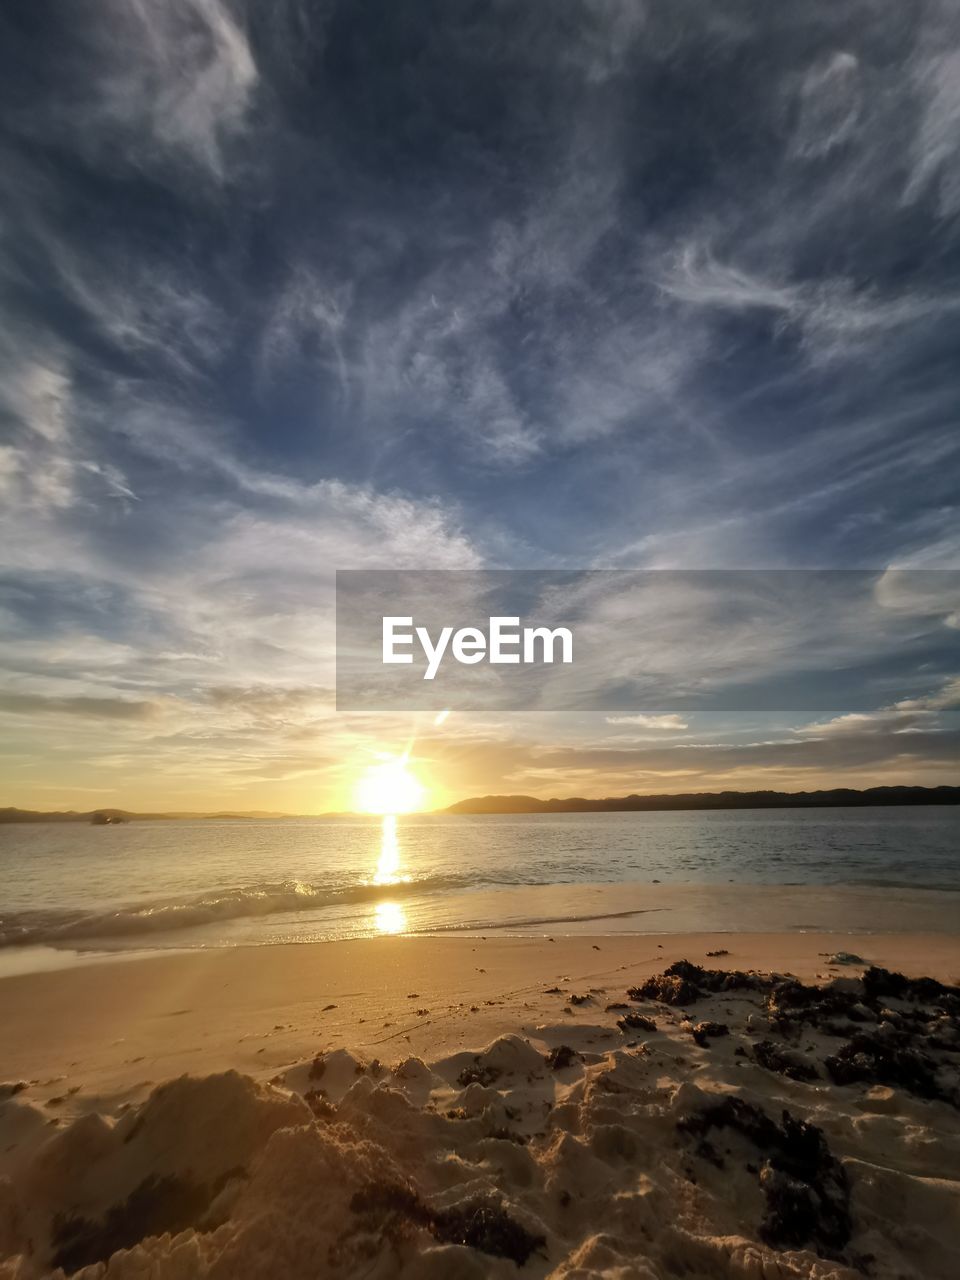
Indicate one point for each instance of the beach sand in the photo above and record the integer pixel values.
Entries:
(390, 1106)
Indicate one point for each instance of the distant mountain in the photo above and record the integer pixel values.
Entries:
(841, 797)
(109, 817)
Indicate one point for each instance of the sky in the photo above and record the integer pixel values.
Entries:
(440, 284)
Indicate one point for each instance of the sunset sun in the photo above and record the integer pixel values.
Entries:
(388, 788)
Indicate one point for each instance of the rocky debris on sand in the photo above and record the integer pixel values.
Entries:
(480, 1224)
(636, 1022)
(703, 1032)
(560, 1057)
(786, 1062)
(885, 1045)
(721, 952)
(882, 984)
(868, 1058)
(480, 1073)
(577, 999)
(806, 1188)
(790, 1001)
(319, 1104)
(683, 983)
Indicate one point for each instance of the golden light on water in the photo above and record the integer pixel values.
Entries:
(387, 789)
(389, 917)
(388, 865)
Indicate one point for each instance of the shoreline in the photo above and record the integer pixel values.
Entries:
(631, 908)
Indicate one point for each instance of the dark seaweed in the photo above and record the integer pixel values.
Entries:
(806, 1187)
(636, 1022)
(868, 1058)
(481, 1224)
(479, 1073)
(561, 1056)
(683, 983)
(882, 984)
(703, 1032)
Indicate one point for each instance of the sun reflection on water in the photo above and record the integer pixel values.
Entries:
(388, 866)
(390, 917)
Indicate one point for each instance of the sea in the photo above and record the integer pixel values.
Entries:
(73, 889)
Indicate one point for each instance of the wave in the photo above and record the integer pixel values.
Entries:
(528, 922)
(28, 928)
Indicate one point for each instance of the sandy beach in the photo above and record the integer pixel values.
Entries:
(487, 1106)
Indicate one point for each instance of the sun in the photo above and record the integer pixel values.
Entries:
(391, 787)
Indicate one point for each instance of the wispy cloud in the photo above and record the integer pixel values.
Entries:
(664, 722)
(171, 79)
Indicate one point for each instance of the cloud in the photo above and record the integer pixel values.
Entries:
(26, 704)
(666, 722)
(835, 318)
(43, 466)
(909, 715)
(936, 159)
(178, 75)
(37, 394)
(830, 102)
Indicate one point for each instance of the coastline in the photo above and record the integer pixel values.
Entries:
(630, 908)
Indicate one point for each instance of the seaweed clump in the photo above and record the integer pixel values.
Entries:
(479, 1224)
(480, 1073)
(560, 1057)
(683, 983)
(704, 1032)
(882, 984)
(806, 1187)
(636, 1022)
(790, 1001)
(892, 1061)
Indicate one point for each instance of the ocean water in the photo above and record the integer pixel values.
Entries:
(224, 882)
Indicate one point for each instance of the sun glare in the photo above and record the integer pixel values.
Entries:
(390, 788)
(389, 917)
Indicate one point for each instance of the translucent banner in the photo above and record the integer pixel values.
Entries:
(650, 641)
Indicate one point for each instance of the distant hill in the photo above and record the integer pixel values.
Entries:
(109, 816)
(841, 797)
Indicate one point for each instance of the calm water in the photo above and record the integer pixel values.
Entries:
(221, 882)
